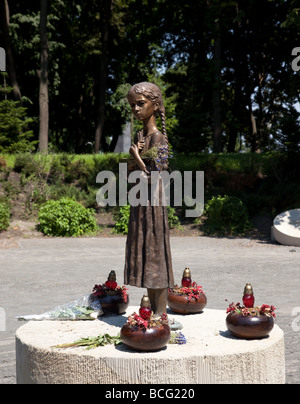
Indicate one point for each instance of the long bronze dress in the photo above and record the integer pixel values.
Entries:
(148, 261)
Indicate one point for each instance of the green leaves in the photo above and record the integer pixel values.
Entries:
(172, 44)
(66, 218)
(93, 342)
(122, 219)
(4, 216)
(226, 216)
(15, 135)
(73, 313)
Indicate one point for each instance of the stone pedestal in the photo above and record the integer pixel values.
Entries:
(211, 355)
(286, 229)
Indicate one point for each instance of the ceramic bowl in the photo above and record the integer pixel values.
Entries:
(181, 304)
(249, 327)
(149, 340)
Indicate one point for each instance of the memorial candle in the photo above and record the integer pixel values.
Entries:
(248, 298)
(145, 309)
(186, 278)
(111, 281)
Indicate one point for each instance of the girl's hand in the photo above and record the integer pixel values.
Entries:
(134, 151)
(141, 144)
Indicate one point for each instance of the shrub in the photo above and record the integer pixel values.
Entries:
(3, 163)
(122, 219)
(226, 216)
(173, 220)
(24, 164)
(4, 216)
(66, 218)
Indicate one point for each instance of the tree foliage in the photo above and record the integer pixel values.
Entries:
(15, 132)
(224, 66)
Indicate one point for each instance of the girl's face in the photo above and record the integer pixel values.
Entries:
(141, 107)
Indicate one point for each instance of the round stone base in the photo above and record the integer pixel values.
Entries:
(211, 356)
(286, 229)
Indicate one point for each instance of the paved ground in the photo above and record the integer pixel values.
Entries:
(38, 274)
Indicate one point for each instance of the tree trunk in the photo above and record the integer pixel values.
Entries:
(80, 125)
(217, 137)
(107, 12)
(101, 105)
(260, 118)
(43, 95)
(4, 17)
(233, 136)
(254, 143)
(238, 83)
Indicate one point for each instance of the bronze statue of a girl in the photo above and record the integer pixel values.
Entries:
(148, 262)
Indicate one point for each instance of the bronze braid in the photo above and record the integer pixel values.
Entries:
(163, 122)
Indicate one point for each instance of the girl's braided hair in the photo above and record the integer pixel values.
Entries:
(153, 93)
